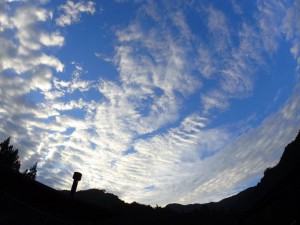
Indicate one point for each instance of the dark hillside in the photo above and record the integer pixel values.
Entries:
(99, 197)
(278, 183)
(30, 199)
(275, 198)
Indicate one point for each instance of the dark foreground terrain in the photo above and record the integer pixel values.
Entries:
(274, 200)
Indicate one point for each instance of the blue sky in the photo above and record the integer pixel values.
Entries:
(154, 101)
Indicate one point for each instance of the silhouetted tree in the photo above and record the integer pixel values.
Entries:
(31, 173)
(9, 156)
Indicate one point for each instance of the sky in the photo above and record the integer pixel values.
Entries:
(156, 101)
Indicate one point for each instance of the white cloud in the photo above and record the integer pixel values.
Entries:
(180, 21)
(14, 0)
(237, 67)
(237, 82)
(218, 27)
(205, 63)
(24, 20)
(24, 68)
(269, 20)
(163, 160)
(291, 29)
(51, 61)
(63, 87)
(104, 57)
(5, 22)
(54, 39)
(20, 51)
(245, 159)
(131, 33)
(151, 81)
(214, 99)
(72, 12)
(187, 158)
(236, 7)
(137, 133)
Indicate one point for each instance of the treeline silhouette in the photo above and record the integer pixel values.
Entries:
(274, 200)
(9, 158)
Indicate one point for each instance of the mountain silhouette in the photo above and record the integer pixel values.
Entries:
(274, 200)
(99, 197)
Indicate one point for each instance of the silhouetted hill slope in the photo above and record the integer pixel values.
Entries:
(278, 182)
(99, 197)
(279, 188)
(35, 203)
(125, 213)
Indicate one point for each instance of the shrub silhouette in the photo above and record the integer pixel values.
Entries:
(9, 156)
(31, 173)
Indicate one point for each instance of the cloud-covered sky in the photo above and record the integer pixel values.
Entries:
(154, 101)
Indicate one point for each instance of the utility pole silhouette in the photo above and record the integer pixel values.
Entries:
(77, 177)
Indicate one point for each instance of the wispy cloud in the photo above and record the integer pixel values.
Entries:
(136, 138)
(244, 160)
(269, 17)
(291, 29)
(219, 29)
(72, 12)
(214, 100)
